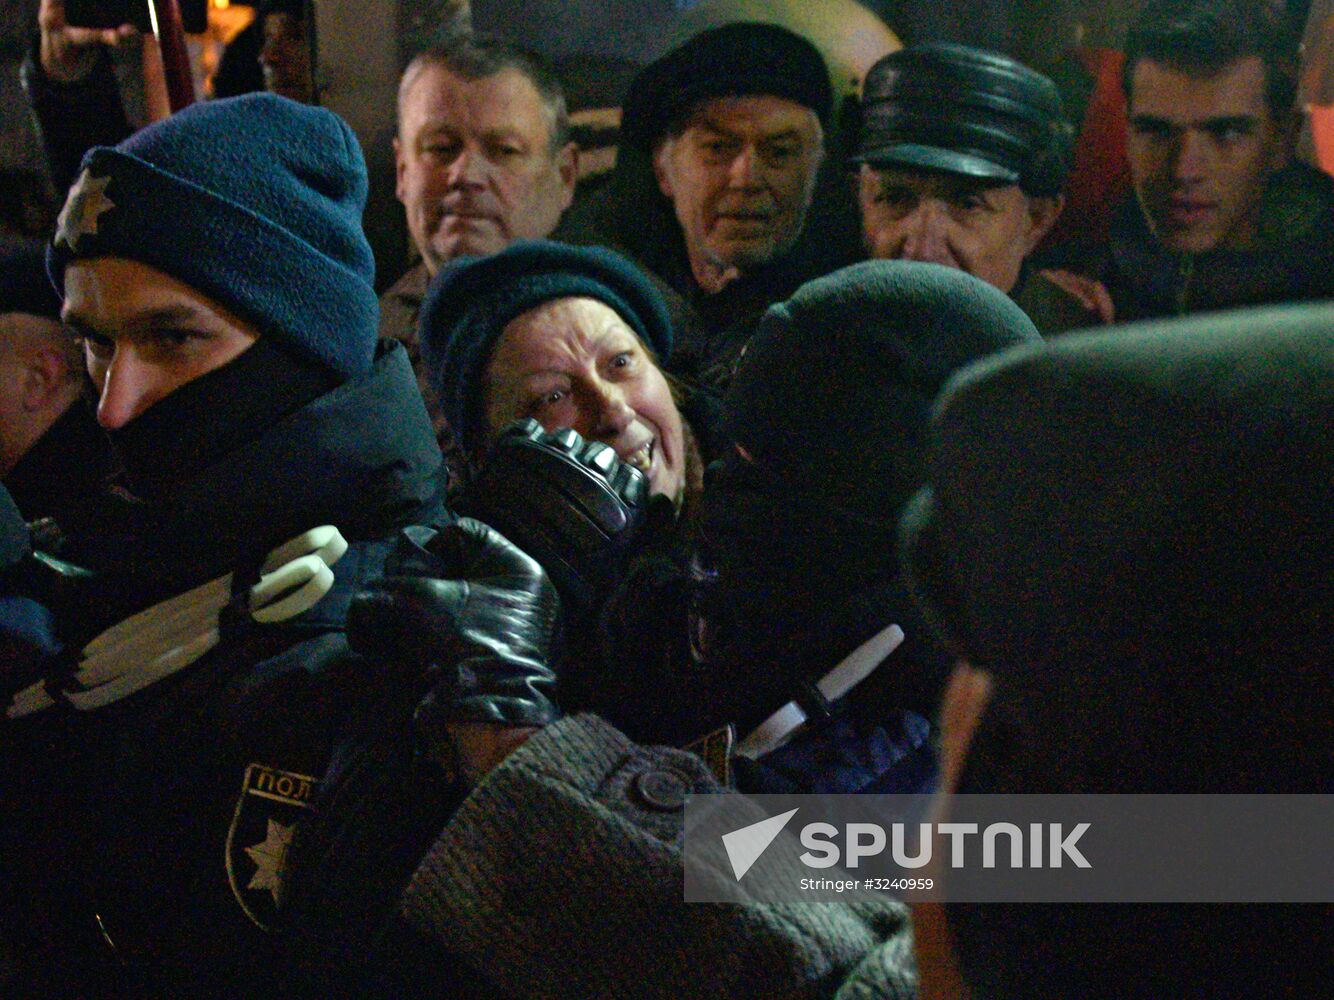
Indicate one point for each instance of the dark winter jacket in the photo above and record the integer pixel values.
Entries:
(144, 841)
(1292, 261)
(1052, 309)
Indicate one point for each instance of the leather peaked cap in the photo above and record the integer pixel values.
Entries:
(966, 111)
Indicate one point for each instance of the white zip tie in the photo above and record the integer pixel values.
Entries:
(164, 639)
(854, 668)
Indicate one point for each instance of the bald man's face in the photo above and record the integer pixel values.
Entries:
(37, 383)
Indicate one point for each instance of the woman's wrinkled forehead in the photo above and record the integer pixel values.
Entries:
(554, 332)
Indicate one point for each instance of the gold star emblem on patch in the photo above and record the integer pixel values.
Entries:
(86, 203)
(270, 856)
(268, 812)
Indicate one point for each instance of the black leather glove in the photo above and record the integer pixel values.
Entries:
(48, 593)
(28, 573)
(481, 634)
(572, 505)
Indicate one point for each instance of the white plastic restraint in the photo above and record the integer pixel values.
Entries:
(854, 668)
(161, 640)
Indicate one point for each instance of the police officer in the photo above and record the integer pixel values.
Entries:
(270, 451)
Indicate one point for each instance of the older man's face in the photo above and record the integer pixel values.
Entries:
(1201, 149)
(476, 167)
(981, 227)
(740, 177)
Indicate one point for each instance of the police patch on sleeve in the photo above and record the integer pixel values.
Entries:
(267, 812)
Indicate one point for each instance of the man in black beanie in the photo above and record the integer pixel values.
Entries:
(726, 134)
(270, 451)
(1126, 539)
(825, 462)
(962, 160)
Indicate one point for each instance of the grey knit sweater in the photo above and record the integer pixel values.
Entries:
(560, 877)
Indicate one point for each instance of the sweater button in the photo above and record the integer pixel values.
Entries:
(662, 790)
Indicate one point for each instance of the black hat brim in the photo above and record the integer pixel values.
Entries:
(950, 161)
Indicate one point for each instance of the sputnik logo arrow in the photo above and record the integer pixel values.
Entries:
(745, 846)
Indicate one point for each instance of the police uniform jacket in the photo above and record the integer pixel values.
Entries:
(145, 839)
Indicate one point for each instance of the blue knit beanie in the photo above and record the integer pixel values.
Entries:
(472, 299)
(255, 201)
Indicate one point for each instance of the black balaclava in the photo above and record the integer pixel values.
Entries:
(222, 410)
(829, 412)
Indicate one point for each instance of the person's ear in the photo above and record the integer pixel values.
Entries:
(45, 373)
(567, 162)
(865, 182)
(966, 696)
(1285, 141)
(661, 153)
(818, 142)
(965, 699)
(1043, 211)
(400, 167)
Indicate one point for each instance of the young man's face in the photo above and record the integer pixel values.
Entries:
(145, 334)
(1201, 149)
(476, 167)
(740, 178)
(977, 226)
